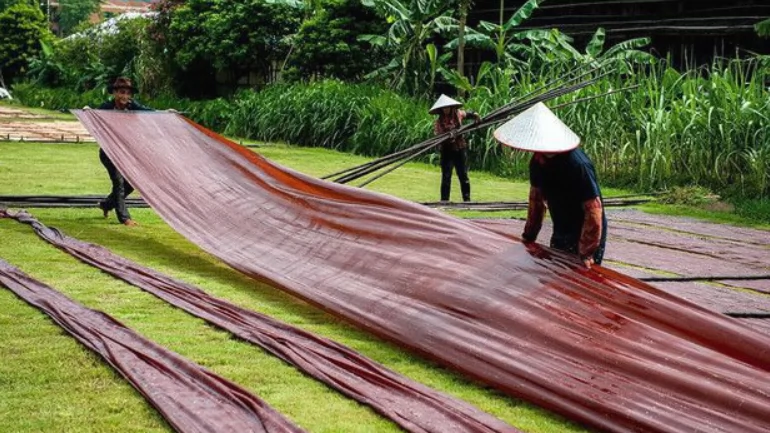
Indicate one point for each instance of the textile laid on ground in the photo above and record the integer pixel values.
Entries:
(680, 247)
(596, 346)
(191, 398)
(413, 406)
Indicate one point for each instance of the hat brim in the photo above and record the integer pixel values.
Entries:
(537, 147)
(537, 130)
(437, 110)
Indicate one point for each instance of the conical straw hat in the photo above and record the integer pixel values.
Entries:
(444, 101)
(537, 130)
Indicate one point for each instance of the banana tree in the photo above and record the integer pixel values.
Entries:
(462, 15)
(763, 28)
(624, 54)
(413, 24)
(500, 37)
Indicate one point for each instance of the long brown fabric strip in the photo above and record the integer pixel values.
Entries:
(413, 406)
(191, 398)
(597, 346)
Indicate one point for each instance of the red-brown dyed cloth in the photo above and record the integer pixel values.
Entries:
(597, 346)
(191, 398)
(413, 406)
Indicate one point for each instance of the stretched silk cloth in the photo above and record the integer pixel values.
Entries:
(413, 406)
(191, 398)
(596, 346)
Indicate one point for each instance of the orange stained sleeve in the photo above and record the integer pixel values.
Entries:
(592, 227)
(535, 215)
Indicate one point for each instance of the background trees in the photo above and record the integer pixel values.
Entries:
(235, 38)
(22, 28)
(328, 45)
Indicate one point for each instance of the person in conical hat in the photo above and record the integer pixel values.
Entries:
(454, 151)
(563, 179)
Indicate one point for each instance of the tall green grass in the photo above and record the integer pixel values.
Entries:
(357, 118)
(707, 127)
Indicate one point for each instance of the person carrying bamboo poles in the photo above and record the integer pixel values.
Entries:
(454, 152)
(563, 180)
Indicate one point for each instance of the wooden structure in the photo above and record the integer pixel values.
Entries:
(692, 32)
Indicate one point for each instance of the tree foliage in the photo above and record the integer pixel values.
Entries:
(74, 12)
(237, 37)
(763, 28)
(414, 24)
(22, 27)
(327, 43)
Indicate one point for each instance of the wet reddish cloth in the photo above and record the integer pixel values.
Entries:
(413, 406)
(596, 346)
(191, 398)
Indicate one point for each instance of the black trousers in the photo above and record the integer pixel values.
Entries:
(569, 242)
(120, 190)
(457, 160)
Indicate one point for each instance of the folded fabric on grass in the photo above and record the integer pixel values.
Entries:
(189, 397)
(596, 346)
(411, 405)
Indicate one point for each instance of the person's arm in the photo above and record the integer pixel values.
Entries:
(591, 235)
(590, 196)
(476, 117)
(535, 215)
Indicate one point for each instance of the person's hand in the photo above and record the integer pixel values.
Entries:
(587, 262)
(476, 118)
(86, 107)
(452, 134)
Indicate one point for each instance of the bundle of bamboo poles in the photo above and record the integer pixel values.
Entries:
(555, 89)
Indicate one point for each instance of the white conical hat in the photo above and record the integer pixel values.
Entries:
(537, 130)
(444, 101)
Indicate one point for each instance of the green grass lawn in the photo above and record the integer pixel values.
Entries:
(49, 383)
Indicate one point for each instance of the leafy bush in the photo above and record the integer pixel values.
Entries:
(688, 196)
(755, 209)
(327, 44)
(22, 27)
(236, 38)
(58, 98)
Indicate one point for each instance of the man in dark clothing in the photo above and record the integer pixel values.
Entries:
(122, 92)
(567, 183)
(454, 152)
(563, 180)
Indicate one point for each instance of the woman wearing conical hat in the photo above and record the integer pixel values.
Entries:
(454, 152)
(563, 179)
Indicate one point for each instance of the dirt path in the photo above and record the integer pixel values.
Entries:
(18, 124)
